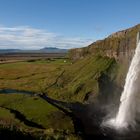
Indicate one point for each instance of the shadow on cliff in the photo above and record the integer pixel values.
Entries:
(109, 91)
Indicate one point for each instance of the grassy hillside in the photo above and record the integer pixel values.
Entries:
(80, 79)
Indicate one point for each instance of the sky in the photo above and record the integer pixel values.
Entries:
(34, 24)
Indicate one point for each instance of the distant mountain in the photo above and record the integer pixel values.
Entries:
(53, 50)
(43, 50)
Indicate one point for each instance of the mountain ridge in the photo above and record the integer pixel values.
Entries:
(53, 49)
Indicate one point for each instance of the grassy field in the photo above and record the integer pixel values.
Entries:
(30, 75)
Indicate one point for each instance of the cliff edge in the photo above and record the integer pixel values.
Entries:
(118, 45)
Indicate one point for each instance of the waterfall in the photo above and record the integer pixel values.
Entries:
(130, 98)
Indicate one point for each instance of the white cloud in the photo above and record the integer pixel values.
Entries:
(24, 37)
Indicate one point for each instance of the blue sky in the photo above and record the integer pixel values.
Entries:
(33, 24)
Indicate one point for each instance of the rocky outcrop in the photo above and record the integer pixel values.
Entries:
(119, 45)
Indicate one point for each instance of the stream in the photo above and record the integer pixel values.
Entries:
(12, 91)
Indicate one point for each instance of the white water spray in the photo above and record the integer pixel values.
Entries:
(130, 99)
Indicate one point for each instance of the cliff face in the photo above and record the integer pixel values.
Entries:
(120, 45)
